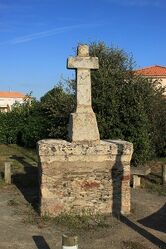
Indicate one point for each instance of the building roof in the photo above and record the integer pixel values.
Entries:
(152, 71)
(11, 95)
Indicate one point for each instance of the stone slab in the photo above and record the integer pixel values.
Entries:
(140, 171)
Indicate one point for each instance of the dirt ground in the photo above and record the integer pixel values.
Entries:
(21, 227)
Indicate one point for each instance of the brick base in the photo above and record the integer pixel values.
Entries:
(76, 177)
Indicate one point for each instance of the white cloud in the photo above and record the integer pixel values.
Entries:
(46, 33)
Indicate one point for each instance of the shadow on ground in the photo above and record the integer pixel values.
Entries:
(156, 220)
(27, 182)
(147, 235)
(117, 172)
(40, 242)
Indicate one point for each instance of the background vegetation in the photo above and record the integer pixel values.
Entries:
(127, 106)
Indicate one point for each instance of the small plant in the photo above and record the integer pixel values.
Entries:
(2, 182)
(84, 220)
(30, 216)
(132, 245)
(12, 203)
(153, 187)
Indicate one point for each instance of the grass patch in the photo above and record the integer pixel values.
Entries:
(8, 151)
(153, 187)
(22, 159)
(153, 182)
(12, 202)
(132, 245)
(162, 159)
(2, 183)
(24, 170)
(86, 220)
(30, 216)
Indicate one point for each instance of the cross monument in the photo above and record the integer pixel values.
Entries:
(83, 125)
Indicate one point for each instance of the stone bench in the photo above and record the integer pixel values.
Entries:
(137, 173)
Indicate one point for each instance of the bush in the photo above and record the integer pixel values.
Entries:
(119, 100)
(56, 106)
(24, 125)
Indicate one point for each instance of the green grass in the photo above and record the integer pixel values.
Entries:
(24, 172)
(2, 183)
(85, 220)
(132, 245)
(162, 159)
(17, 155)
(154, 187)
(6, 151)
(153, 182)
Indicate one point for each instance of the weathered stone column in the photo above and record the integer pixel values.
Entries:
(8, 172)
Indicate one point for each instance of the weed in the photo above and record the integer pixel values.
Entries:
(154, 187)
(162, 159)
(12, 203)
(81, 221)
(30, 216)
(132, 245)
(2, 182)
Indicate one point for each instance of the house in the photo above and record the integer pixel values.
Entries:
(7, 99)
(154, 72)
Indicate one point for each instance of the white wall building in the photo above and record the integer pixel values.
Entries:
(154, 72)
(7, 99)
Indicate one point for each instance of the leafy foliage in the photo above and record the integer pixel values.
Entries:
(119, 100)
(24, 125)
(56, 105)
(128, 106)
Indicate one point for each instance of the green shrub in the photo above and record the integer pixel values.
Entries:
(56, 105)
(119, 100)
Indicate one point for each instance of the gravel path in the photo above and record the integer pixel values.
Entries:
(144, 228)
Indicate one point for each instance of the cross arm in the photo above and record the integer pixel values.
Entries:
(83, 62)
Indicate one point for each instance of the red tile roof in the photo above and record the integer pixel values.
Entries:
(152, 71)
(11, 95)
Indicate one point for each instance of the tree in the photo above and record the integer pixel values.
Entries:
(56, 105)
(118, 100)
(32, 123)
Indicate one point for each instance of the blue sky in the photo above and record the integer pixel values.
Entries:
(37, 36)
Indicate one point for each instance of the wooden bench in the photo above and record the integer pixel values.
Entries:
(137, 173)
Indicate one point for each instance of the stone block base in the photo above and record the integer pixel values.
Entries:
(87, 133)
(78, 177)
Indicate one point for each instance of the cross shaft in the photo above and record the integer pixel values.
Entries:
(83, 63)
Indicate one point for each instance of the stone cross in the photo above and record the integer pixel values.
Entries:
(83, 126)
(83, 63)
